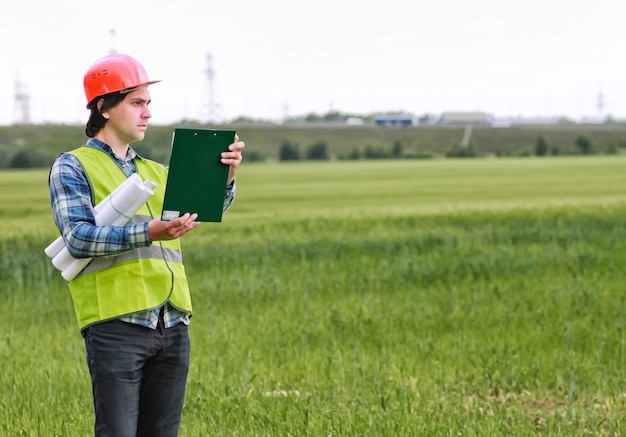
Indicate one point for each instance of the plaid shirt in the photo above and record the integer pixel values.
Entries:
(70, 197)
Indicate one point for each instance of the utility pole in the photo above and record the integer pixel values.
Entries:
(22, 103)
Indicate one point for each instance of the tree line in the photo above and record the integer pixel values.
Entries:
(289, 150)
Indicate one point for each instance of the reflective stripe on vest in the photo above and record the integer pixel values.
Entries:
(136, 280)
(102, 263)
(154, 251)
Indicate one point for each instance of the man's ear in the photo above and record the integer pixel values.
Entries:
(105, 114)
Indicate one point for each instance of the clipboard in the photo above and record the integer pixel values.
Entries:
(197, 179)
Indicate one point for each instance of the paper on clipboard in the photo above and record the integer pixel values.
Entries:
(197, 179)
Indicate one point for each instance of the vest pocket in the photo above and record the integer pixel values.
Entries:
(127, 288)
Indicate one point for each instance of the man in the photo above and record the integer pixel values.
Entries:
(132, 301)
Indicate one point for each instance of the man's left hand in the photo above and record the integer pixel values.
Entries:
(233, 158)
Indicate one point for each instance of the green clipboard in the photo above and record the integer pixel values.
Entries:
(197, 179)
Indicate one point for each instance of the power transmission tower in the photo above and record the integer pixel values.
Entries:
(285, 110)
(22, 103)
(212, 102)
(112, 33)
(600, 103)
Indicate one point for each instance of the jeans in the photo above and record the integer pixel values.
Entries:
(138, 377)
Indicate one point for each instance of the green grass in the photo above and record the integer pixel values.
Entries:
(435, 298)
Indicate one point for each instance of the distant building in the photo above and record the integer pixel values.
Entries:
(593, 119)
(476, 118)
(526, 121)
(394, 120)
(354, 121)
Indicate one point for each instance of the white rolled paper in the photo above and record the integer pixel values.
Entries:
(62, 259)
(55, 247)
(74, 268)
(115, 210)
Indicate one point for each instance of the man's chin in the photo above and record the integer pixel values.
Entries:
(136, 139)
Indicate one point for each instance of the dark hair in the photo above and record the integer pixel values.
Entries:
(96, 120)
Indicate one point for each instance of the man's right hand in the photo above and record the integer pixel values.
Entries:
(159, 230)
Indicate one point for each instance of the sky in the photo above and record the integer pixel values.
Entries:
(279, 58)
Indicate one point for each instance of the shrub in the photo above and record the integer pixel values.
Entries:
(253, 156)
(611, 148)
(27, 158)
(458, 151)
(583, 144)
(318, 151)
(373, 152)
(500, 152)
(541, 147)
(397, 149)
(289, 152)
(355, 154)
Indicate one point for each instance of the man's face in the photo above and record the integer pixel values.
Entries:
(129, 119)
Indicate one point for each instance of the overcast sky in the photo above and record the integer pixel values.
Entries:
(277, 58)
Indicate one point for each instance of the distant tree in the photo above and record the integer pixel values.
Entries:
(250, 120)
(313, 118)
(541, 147)
(584, 145)
(27, 158)
(566, 120)
(372, 152)
(317, 151)
(427, 119)
(253, 156)
(554, 151)
(5, 158)
(333, 117)
(289, 152)
(397, 150)
(352, 155)
(611, 148)
(459, 151)
(242, 119)
(500, 152)
(21, 159)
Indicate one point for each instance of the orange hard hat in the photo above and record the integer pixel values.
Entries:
(115, 72)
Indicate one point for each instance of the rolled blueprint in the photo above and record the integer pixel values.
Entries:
(57, 245)
(115, 210)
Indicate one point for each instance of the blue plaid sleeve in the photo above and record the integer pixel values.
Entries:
(230, 195)
(70, 198)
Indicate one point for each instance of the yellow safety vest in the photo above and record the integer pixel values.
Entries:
(137, 280)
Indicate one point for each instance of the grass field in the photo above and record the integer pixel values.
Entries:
(476, 297)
